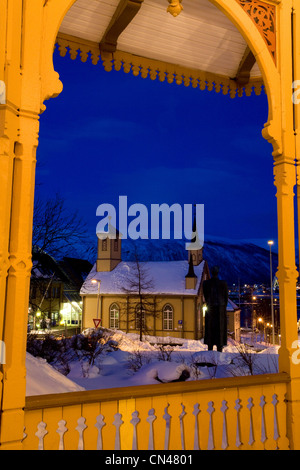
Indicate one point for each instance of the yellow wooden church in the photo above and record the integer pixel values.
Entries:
(175, 291)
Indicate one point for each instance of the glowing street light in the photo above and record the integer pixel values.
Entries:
(254, 321)
(270, 243)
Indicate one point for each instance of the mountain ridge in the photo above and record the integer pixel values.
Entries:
(239, 261)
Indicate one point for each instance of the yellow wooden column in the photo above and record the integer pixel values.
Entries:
(295, 388)
(285, 182)
(7, 118)
(20, 69)
(27, 30)
(10, 25)
(18, 282)
(296, 100)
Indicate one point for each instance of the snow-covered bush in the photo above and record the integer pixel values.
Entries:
(164, 352)
(137, 359)
(85, 348)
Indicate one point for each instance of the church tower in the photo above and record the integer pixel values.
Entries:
(109, 251)
(195, 254)
(191, 278)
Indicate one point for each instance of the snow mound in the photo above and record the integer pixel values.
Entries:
(270, 350)
(159, 372)
(131, 342)
(42, 379)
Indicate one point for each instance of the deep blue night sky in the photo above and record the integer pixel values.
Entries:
(111, 134)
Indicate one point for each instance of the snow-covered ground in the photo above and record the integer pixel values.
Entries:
(41, 378)
(131, 362)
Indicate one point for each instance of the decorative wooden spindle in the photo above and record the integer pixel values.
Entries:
(251, 435)
(276, 429)
(40, 434)
(135, 421)
(196, 429)
(118, 423)
(61, 431)
(224, 408)
(150, 419)
(210, 410)
(99, 425)
(263, 422)
(181, 416)
(80, 428)
(237, 407)
(167, 418)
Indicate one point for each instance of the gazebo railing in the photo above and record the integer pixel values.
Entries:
(234, 413)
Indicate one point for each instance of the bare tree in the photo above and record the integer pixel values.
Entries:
(141, 304)
(55, 230)
(56, 233)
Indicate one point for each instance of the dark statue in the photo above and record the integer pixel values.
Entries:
(215, 293)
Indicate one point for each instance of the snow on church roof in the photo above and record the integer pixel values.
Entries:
(168, 278)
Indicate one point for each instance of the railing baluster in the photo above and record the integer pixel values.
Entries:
(24, 434)
(135, 420)
(61, 431)
(99, 425)
(118, 423)
(237, 407)
(224, 408)
(263, 421)
(40, 434)
(150, 419)
(167, 418)
(181, 416)
(251, 435)
(276, 430)
(210, 410)
(80, 428)
(196, 430)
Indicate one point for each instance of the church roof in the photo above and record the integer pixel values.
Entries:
(168, 278)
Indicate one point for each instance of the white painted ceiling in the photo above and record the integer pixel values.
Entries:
(201, 37)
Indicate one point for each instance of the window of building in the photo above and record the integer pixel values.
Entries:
(140, 316)
(168, 317)
(56, 292)
(104, 245)
(114, 315)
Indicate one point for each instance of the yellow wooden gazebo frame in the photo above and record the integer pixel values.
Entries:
(248, 406)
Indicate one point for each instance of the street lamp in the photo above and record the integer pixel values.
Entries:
(260, 321)
(270, 243)
(96, 281)
(254, 321)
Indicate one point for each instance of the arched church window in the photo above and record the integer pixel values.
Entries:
(114, 316)
(104, 245)
(168, 315)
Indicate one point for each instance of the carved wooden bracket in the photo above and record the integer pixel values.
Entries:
(124, 14)
(245, 67)
(263, 16)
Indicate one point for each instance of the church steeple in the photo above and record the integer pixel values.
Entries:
(195, 254)
(109, 249)
(191, 278)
